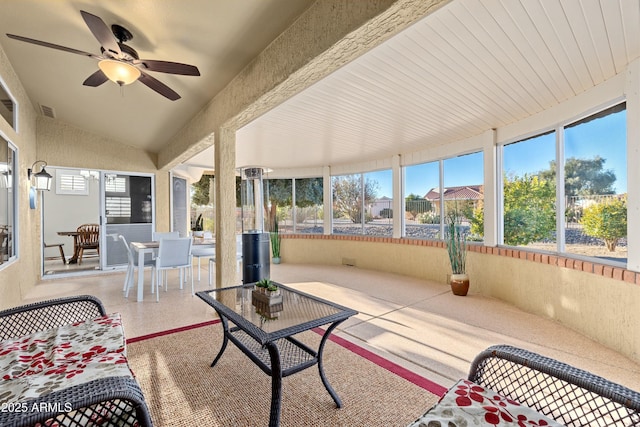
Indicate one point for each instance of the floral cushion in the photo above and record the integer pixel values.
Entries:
(468, 404)
(56, 359)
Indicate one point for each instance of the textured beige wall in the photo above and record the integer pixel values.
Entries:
(411, 260)
(16, 277)
(604, 309)
(62, 144)
(601, 308)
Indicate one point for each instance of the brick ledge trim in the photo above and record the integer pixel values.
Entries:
(604, 270)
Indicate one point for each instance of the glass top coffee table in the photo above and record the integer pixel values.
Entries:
(264, 327)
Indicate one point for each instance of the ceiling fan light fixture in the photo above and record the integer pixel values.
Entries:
(119, 72)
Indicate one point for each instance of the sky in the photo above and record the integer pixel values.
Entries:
(603, 136)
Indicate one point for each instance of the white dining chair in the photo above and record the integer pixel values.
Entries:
(238, 258)
(172, 254)
(131, 266)
(204, 252)
(156, 236)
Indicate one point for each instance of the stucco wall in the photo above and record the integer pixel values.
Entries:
(59, 144)
(18, 275)
(598, 301)
(62, 144)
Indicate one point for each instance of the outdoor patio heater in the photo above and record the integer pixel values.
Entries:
(255, 241)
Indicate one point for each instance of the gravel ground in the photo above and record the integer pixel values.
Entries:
(577, 243)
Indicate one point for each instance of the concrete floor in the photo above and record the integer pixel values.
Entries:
(416, 323)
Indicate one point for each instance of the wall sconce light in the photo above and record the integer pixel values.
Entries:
(42, 179)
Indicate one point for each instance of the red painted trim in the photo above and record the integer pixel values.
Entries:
(412, 377)
(172, 331)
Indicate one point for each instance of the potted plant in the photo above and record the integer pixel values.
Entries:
(275, 237)
(198, 227)
(457, 251)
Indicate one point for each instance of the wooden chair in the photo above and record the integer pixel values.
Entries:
(53, 245)
(88, 239)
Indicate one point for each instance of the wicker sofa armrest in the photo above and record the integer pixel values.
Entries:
(27, 319)
(560, 391)
(112, 401)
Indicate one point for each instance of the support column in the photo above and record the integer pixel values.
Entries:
(326, 200)
(491, 225)
(632, 92)
(398, 197)
(225, 196)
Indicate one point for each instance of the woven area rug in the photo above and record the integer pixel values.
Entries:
(181, 388)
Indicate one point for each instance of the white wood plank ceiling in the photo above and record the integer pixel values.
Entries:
(471, 66)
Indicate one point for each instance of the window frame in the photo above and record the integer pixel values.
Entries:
(560, 158)
(15, 220)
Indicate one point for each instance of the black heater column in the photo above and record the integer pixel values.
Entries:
(255, 257)
(255, 242)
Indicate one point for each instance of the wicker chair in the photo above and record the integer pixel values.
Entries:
(562, 392)
(89, 401)
(88, 239)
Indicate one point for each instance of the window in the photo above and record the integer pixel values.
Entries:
(353, 198)
(427, 199)
(463, 192)
(71, 182)
(378, 211)
(529, 194)
(8, 107)
(280, 194)
(128, 199)
(590, 219)
(422, 200)
(595, 185)
(308, 211)
(8, 192)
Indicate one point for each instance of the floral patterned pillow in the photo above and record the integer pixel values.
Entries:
(51, 360)
(468, 404)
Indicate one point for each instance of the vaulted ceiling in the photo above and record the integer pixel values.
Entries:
(471, 66)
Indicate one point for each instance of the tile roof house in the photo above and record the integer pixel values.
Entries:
(473, 193)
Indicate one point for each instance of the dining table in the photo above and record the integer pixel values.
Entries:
(143, 248)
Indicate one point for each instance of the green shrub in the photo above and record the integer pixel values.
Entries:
(606, 221)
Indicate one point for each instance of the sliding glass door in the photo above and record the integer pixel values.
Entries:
(127, 209)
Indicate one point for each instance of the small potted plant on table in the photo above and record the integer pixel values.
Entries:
(267, 298)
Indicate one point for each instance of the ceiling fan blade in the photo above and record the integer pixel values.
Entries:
(158, 86)
(53, 46)
(95, 79)
(170, 67)
(101, 32)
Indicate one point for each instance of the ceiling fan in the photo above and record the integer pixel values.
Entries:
(118, 62)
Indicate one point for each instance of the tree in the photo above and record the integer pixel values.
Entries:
(583, 177)
(348, 196)
(308, 193)
(529, 209)
(200, 191)
(607, 221)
